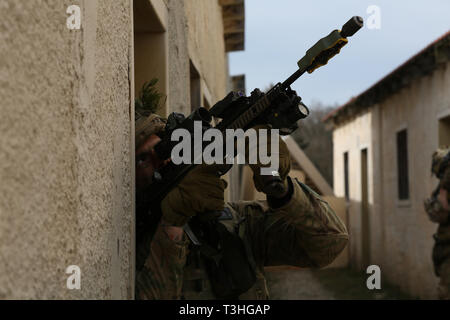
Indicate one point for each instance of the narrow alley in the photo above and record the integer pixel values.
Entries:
(329, 284)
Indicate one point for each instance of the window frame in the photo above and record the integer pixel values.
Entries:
(402, 168)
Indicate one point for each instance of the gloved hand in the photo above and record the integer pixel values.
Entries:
(201, 190)
(272, 185)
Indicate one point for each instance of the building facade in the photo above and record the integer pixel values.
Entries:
(67, 129)
(383, 141)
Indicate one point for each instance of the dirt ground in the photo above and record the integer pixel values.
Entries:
(328, 284)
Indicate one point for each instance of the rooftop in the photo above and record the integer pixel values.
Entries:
(233, 12)
(421, 64)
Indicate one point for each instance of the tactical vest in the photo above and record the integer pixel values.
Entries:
(222, 266)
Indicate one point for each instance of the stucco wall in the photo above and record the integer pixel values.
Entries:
(195, 32)
(65, 150)
(178, 58)
(207, 47)
(407, 259)
(352, 137)
(401, 234)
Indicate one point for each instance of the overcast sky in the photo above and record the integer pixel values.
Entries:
(278, 33)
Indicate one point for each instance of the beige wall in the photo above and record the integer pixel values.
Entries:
(401, 234)
(206, 46)
(353, 137)
(66, 142)
(206, 51)
(178, 58)
(194, 32)
(151, 61)
(65, 150)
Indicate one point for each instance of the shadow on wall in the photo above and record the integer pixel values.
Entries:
(359, 228)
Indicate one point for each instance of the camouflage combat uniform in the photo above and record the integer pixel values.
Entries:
(305, 232)
(441, 249)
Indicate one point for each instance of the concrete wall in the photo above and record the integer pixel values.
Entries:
(206, 47)
(400, 232)
(151, 46)
(66, 133)
(195, 32)
(206, 51)
(353, 137)
(178, 58)
(407, 228)
(66, 150)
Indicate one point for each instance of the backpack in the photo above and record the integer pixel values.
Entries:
(226, 260)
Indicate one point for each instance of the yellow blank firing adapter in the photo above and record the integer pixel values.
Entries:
(326, 48)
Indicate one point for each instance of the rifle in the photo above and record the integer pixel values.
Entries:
(280, 107)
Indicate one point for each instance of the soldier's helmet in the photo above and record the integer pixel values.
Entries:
(146, 126)
(440, 160)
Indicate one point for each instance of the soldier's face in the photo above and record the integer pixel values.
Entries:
(147, 161)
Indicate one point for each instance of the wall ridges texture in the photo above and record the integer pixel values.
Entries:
(65, 191)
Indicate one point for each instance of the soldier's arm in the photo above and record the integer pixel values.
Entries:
(443, 198)
(303, 232)
(444, 183)
(444, 189)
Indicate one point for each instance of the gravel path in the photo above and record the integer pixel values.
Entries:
(295, 284)
(288, 283)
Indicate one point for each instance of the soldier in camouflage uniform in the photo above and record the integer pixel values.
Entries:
(437, 208)
(295, 227)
